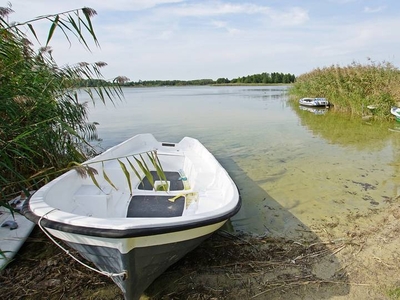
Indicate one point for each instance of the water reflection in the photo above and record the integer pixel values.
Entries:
(344, 130)
(315, 110)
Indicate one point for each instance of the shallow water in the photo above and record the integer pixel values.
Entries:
(294, 168)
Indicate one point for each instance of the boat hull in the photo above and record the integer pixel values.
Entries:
(140, 256)
(142, 264)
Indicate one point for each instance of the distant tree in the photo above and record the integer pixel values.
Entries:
(265, 78)
(222, 80)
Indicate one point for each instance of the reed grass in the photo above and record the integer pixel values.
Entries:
(43, 125)
(351, 89)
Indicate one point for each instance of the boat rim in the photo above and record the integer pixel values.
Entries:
(127, 232)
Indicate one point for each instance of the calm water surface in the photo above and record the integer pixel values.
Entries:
(295, 169)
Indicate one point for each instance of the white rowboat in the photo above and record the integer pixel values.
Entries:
(314, 102)
(133, 233)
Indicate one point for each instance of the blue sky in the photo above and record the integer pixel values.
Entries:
(181, 39)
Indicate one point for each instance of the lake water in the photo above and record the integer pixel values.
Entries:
(295, 169)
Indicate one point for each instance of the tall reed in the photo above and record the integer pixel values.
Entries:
(43, 125)
(353, 88)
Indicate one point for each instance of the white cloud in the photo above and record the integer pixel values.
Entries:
(128, 5)
(289, 16)
(344, 1)
(292, 16)
(368, 9)
(225, 26)
(51, 6)
(217, 8)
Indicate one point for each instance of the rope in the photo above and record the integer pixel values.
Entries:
(108, 274)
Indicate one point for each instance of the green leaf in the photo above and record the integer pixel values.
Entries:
(128, 178)
(106, 176)
(33, 31)
(159, 166)
(52, 28)
(78, 31)
(62, 25)
(145, 170)
(91, 173)
(134, 170)
(152, 156)
(144, 162)
(101, 95)
(87, 12)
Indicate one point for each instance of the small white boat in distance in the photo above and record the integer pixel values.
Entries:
(314, 102)
(131, 231)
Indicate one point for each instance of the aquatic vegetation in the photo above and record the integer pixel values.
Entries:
(357, 89)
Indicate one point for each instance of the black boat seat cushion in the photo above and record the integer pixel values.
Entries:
(150, 206)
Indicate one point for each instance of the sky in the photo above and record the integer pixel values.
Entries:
(187, 40)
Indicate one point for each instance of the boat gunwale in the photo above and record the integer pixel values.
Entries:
(129, 232)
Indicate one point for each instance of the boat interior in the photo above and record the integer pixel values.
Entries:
(194, 185)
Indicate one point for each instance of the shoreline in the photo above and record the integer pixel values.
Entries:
(363, 263)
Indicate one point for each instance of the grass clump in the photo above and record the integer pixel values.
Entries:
(351, 89)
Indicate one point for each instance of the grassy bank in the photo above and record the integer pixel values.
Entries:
(352, 88)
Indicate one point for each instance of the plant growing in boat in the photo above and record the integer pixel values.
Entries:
(85, 170)
(161, 186)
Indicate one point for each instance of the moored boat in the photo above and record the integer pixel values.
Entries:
(314, 102)
(395, 111)
(120, 220)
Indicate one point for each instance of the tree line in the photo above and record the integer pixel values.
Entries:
(263, 78)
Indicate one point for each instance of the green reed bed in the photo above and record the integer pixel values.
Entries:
(43, 125)
(354, 88)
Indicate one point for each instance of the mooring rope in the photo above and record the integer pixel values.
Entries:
(108, 274)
